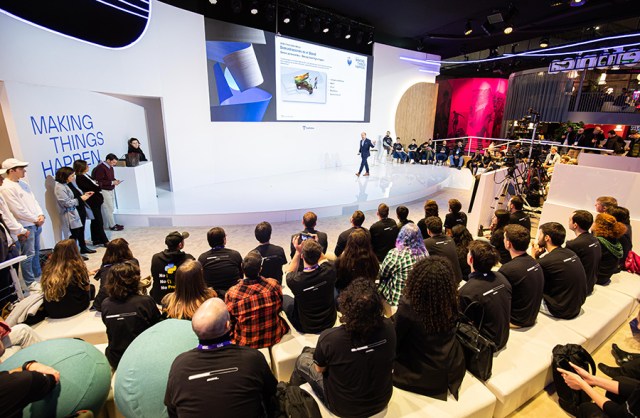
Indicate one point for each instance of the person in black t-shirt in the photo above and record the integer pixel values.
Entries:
(383, 233)
(430, 209)
(221, 265)
(21, 386)
(491, 293)
(165, 264)
(357, 219)
(585, 245)
(442, 245)
(402, 213)
(217, 377)
(413, 151)
(350, 369)
(455, 216)
(499, 221)
(309, 221)
(565, 283)
(273, 257)
(525, 276)
(517, 215)
(313, 307)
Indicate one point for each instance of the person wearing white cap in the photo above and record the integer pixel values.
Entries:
(26, 210)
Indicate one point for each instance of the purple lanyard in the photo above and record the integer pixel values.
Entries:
(310, 268)
(213, 346)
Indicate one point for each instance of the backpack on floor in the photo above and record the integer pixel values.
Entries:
(296, 403)
(568, 398)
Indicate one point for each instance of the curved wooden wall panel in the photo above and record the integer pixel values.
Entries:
(416, 113)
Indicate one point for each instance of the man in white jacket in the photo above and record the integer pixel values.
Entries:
(23, 205)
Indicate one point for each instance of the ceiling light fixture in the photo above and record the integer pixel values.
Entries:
(468, 30)
(348, 34)
(577, 3)
(326, 26)
(254, 7)
(544, 42)
(508, 29)
(370, 39)
(286, 16)
(213, 1)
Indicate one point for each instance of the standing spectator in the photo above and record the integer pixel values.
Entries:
(309, 220)
(398, 263)
(442, 245)
(350, 370)
(383, 232)
(313, 307)
(87, 184)
(462, 238)
(615, 142)
(525, 276)
(71, 207)
(357, 260)
(430, 209)
(255, 304)
(622, 215)
(273, 257)
(634, 144)
(357, 219)
(499, 221)
(104, 176)
(402, 213)
(585, 245)
(605, 203)
(565, 283)
(608, 231)
(133, 146)
(490, 290)
(165, 264)
(456, 158)
(455, 216)
(190, 292)
(429, 358)
(24, 207)
(222, 266)
(126, 312)
(117, 252)
(65, 282)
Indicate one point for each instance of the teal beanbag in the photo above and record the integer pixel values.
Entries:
(85, 376)
(141, 378)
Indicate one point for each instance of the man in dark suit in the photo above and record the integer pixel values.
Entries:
(365, 146)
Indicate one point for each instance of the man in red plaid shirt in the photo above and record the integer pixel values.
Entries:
(255, 304)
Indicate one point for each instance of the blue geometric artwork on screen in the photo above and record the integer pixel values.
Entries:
(237, 75)
(109, 23)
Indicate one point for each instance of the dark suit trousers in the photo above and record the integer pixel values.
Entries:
(364, 164)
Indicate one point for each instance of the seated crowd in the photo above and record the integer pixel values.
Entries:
(397, 289)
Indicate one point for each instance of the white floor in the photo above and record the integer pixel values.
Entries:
(282, 198)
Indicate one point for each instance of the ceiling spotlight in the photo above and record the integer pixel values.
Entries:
(467, 28)
(325, 29)
(577, 3)
(254, 7)
(286, 16)
(348, 34)
(370, 39)
(213, 1)
(508, 29)
(544, 42)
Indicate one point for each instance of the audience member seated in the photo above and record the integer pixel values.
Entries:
(479, 160)
(165, 263)
(552, 158)
(273, 257)
(190, 292)
(398, 263)
(425, 152)
(402, 213)
(221, 265)
(455, 216)
(629, 364)
(429, 358)
(455, 159)
(357, 219)
(254, 306)
(383, 233)
(565, 282)
(498, 222)
(608, 231)
(21, 386)
(462, 238)
(605, 203)
(622, 215)
(518, 216)
(65, 281)
(117, 251)
(442, 245)
(491, 293)
(413, 151)
(309, 221)
(350, 369)
(14, 339)
(126, 312)
(398, 151)
(585, 245)
(236, 382)
(313, 307)
(442, 152)
(430, 209)
(357, 260)
(525, 276)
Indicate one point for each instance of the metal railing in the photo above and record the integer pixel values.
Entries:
(601, 102)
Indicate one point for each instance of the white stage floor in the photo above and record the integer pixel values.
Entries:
(281, 198)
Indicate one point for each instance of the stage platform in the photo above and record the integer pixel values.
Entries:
(282, 198)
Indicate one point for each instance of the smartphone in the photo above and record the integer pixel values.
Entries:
(304, 237)
(634, 328)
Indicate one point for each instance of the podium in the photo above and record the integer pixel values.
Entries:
(138, 187)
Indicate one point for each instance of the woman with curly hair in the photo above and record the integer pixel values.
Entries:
(498, 222)
(462, 237)
(189, 293)
(126, 312)
(357, 260)
(608, 231)
(430, 209)
(398, 262)
(117, 251)
(623, 216)
(429, 358)
(65, 281)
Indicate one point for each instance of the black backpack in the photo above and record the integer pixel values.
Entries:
(568, 398)
(295, 403)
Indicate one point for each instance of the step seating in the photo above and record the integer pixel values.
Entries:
(285, 353)
(474, 400)
(86, 325)
(628, 284)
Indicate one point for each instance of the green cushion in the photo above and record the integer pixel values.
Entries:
(141, 379)
(85, 376)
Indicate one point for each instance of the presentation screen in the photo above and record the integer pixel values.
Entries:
(257, 76)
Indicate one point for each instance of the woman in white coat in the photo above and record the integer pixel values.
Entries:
(69, 201)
